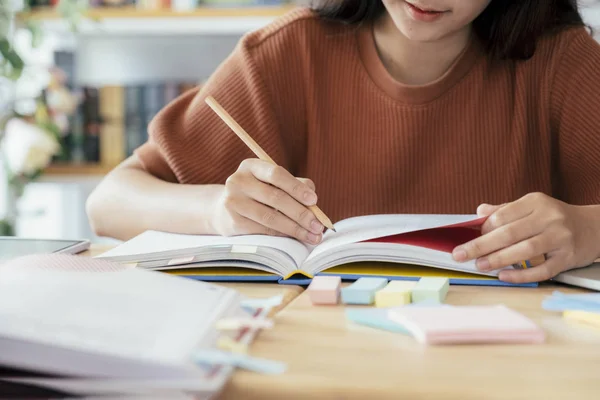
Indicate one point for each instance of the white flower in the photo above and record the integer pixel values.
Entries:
(26, 147)
(40, 56)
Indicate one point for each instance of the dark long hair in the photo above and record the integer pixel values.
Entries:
(509, 29)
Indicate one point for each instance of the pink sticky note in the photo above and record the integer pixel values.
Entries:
(324, 289)
(467, 324)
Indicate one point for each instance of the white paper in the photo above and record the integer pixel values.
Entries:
(363, 228)
(152, 242)
(131, 314)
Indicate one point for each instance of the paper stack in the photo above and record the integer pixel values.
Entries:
(94, 327)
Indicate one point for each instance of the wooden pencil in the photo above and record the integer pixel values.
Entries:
(260, 153)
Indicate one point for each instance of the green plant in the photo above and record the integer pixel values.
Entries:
(33, 137)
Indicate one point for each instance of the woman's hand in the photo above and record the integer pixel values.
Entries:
(261, 198)
(532, 226)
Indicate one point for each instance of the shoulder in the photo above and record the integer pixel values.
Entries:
(567, 51)
(299, 32)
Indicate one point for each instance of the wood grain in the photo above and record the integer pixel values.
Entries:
(331, 359)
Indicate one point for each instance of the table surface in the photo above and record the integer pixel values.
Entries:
(328, 357)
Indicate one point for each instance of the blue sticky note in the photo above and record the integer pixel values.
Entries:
(363, 291)
(374, 318)
(563, 302)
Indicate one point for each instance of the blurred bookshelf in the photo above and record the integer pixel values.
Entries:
(164, 17)
(124, 65)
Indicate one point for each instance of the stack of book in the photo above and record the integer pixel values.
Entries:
(80, 326)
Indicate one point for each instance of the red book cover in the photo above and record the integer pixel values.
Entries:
(443, 238)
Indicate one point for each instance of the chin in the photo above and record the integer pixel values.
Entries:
(422, 33)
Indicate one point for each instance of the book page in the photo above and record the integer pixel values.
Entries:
(154, 242)
(358, 229)
(132, 313)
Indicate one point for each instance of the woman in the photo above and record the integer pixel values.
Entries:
(391, 106)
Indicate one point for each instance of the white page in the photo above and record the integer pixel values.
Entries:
(368, 227)
(131, 313)
(151, 242)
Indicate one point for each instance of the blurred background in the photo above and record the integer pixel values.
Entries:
(81, 79)
(94, 73)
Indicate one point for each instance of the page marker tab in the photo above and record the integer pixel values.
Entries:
(245, 249)
(182, 260)
(129, 264)
(227, 343)
(239, 323)
(363, 290)
(259, 365)
(396, 293)
(266, 303)
(325, 290)
(431, 289)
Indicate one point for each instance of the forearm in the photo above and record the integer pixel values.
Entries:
(130, 201)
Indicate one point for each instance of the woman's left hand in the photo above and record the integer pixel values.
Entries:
(534, 225)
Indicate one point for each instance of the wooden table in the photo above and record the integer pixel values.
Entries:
(253, 290)
(329, 358)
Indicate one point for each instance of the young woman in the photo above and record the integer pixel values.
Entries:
(388, 106)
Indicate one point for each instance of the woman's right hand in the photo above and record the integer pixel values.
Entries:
(262, 198)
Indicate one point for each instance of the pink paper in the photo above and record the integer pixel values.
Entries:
(467, 324)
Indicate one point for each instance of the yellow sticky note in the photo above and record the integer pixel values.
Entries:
(396, 293)
(589, 318)
(228, 344)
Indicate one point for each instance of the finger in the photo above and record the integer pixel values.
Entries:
(523, 250)
(485, 210)
(284, 203)
(309, 183)
(547, 270)
(506, 214)
(502, 237)
(245, 226)
(276, 221)
(279, 177)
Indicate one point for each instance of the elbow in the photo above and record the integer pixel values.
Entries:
(96, 214)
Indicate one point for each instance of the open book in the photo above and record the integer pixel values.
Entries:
(401, 246)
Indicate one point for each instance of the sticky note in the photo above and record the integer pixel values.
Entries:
(324, 289)
(430, 289)
(569, 302)
(374, 318)
(260, 365)
(239, 323)
(396, 293)
(227, 343)
(362, 291)
(586, 317)
(467, 324)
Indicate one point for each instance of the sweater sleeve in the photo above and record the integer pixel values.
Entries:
(575, 108)
(189, 143)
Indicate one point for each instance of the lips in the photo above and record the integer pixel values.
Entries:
(425, 9)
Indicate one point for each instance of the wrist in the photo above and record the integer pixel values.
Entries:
(590, 227)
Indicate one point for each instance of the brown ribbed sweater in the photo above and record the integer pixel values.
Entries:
(318, 99)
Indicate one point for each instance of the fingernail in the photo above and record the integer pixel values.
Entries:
(317, 226)
(310, 198)
(483, 264)
(459, 254)
(314, 238)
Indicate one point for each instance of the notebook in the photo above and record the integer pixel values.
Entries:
(73, 319)
(400, 246)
